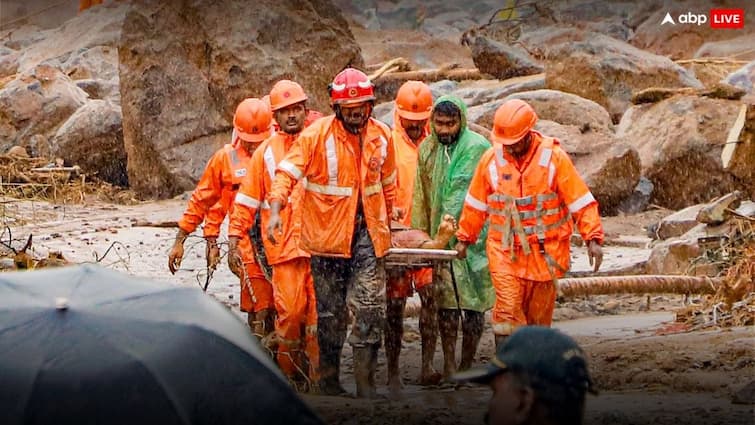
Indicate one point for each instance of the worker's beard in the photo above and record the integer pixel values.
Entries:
(354, 123)
(414, 132)
(447, 139)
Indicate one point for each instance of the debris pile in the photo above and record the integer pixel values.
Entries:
(732, 255)
(22, 259)
(24, 177)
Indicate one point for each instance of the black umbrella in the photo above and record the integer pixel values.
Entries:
(88, 345)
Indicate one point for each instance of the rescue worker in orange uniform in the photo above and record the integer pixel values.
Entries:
(349, 164)
(529, 189)
(213, 198)
(414, 104)
(293, 290)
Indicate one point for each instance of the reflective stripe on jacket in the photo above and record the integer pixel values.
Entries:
(339, 172)
(219, 182)
(529, 210)
(251, 197)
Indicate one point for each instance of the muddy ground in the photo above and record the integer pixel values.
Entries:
(645, 371)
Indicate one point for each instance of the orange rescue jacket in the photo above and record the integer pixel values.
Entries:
(406, 162)
(530, 207)
(339, 173)
(251, 197)
(216, 189)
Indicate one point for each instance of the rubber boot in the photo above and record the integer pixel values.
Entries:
(330, 343)
(365, 365)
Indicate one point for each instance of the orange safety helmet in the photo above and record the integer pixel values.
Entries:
(512, 121)
(414, 101)
(285, 93)
(252, 120)
(351, 86)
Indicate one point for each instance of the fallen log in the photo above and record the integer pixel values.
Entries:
(393, 65)
(46, 170)
(432, 75)
(146, 223)
(639, 284)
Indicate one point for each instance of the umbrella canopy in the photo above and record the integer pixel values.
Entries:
(88, 345)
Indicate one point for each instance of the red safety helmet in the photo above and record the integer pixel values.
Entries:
(351, 86)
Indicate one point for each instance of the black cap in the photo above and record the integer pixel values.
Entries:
(539, 352)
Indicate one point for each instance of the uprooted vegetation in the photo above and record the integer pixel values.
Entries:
(733, 303)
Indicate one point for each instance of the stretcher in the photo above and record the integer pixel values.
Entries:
(408, 258)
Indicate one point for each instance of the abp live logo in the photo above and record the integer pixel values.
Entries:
(727, 18)
(718, 18)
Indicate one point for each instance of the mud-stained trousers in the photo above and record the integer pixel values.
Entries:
(256, 291)
(520, 302)
(296, 321)
(360, 282)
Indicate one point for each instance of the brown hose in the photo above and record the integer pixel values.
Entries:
(640, 284)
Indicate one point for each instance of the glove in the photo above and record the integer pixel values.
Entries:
(176, 253)
(212, 252)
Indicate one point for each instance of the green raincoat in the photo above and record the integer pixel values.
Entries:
(443, 177)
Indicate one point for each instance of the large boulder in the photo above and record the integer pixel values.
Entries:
(680, 141)
(738, 156)
(95, 71)
(36, 102)
(479, 92)
(503, 61)
(607, 71)
(37, 12)
(92, 138)
(743, 78)
(610, 167)
(98, 26)
(184, 69)
(677, 224)
(566, 108)
(738, 47)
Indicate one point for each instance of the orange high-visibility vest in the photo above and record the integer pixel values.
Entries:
(251, 197)
(222, 175)
(339, 173)
(529, 210)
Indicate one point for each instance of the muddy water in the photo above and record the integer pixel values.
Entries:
(644, 378)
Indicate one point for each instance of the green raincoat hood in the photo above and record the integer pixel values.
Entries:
(443, 177)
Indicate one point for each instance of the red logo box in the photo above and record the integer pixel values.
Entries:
(727, 18)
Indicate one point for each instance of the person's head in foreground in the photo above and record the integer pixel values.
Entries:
(538, 376)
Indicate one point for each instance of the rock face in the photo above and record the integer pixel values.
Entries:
(673, 256)
(680, 141)
(37, 102)
(184, 70)
(678, 223)
(738, 156)
(503, 61)
(743, 78)
(609, 167)
(52, 79)
(566, 108)
(607, 71)
(737, 47)
(92, 138)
